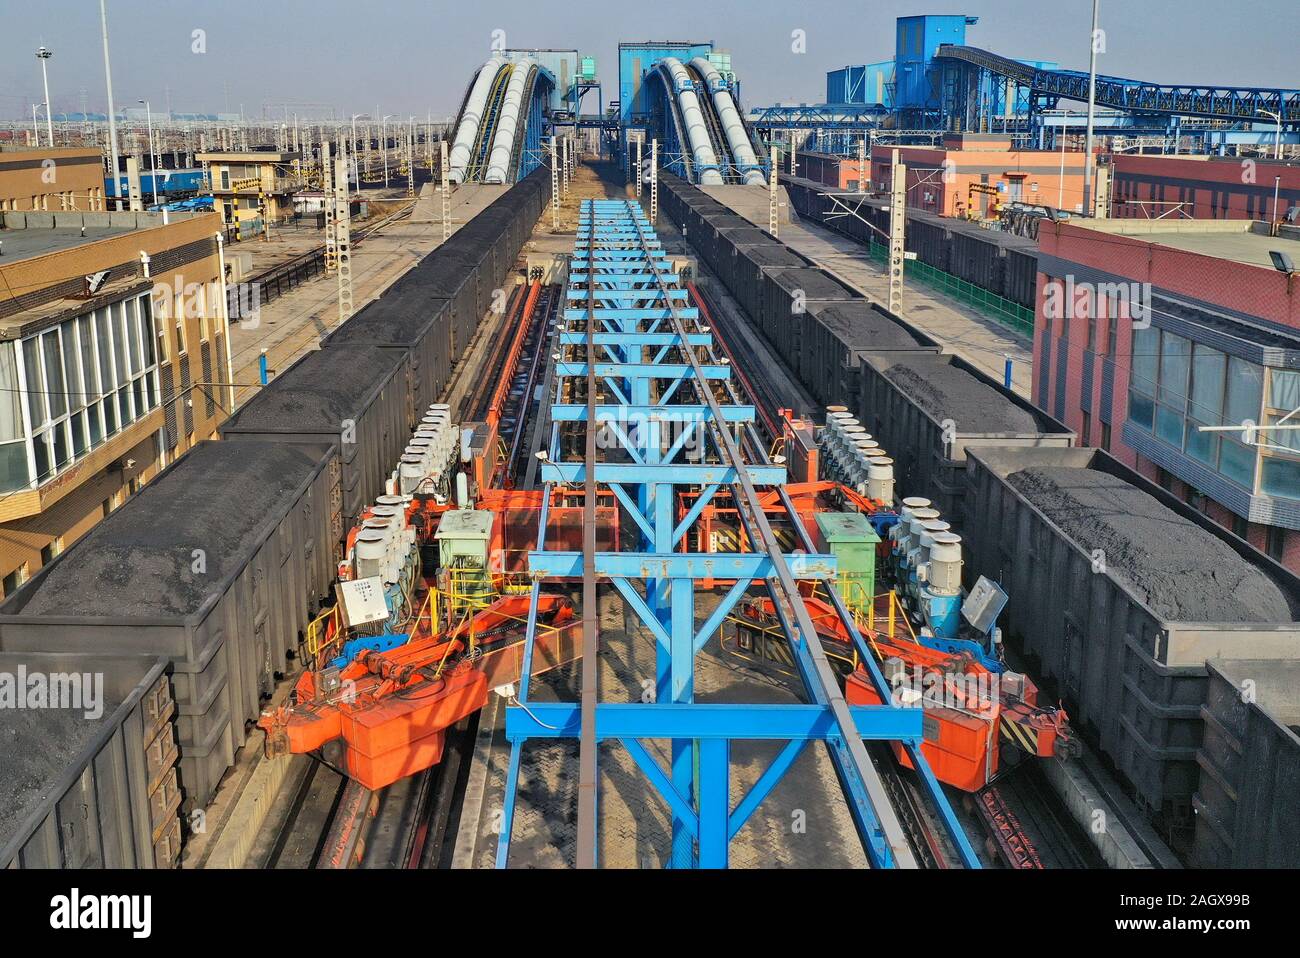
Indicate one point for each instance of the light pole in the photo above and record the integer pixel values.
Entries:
(1277, 141)
(44, 54)
(1092, 107)
(112, 120)
(383, 145)
(153, 165)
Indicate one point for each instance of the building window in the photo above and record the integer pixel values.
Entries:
(1085, 436)
(1280, 465)
(14, 580)
(225, 177)
(1105, 436)
(51, 550)
(1177, 386)
(78, 384)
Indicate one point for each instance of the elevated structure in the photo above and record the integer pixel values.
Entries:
(498, 132)
(686, 96)
(639, 369)
(937, 81)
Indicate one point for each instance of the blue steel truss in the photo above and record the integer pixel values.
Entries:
(628, 332)
(1240, 104)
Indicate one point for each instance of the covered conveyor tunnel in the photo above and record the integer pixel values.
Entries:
(498, 134)
(705, 137)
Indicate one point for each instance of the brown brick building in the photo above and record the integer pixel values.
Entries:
(110, 336)
(51, 180)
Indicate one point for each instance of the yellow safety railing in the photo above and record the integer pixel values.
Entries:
(318, 629)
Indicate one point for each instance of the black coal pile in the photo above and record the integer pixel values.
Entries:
(1180, 571)
(946, 392)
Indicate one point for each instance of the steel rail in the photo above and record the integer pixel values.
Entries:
(785, 594)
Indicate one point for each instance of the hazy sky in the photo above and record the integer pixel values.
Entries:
(409, 57)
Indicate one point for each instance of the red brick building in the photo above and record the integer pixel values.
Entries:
(1201, 187)
(1213, 340)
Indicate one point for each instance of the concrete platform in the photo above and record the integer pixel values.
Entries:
(979, 340)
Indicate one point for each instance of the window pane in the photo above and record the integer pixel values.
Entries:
(40, 442)
(1284, 393)
(1140, 410)
(58, 396)
(1290, 438)
(70, 380)
(35, 383)
(102, 319)
(124, 406)
(1175, 354)
(13, 466)
(1146, 348)
(137, 393)
(89, 374)
(11, 410)
(133, 334)
(1245, 391)
(146, 329)
(78, 433)
(1203, 446)
(110, 416)
(1169, 426)
(119, 348)
(1238, 463)
(1280, 477)
(96, 426)
(62, 454)
(1208, 368)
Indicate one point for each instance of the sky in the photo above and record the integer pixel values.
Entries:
(416, 56)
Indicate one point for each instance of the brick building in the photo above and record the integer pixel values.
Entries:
(51, 180)
(248, 188)
(970, 175)
(110, 333)
(1215, 340)
(1202, 187)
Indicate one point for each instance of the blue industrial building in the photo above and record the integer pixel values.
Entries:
(937, 82)
(635, 60)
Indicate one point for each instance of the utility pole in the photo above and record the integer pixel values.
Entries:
(771, 193)
(446, 189)
(112, 120)
(654, 182)
(1092, 108)
(862, 164)
(638, 168)
(342, 234)
(897, 221)
(330, 207)
(555, 183)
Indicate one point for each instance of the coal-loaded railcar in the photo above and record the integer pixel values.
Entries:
(214, 570)
(930, 409)
(217, 564)
(90, 776)
(994, 260)
(354, 398)
(1119, 595)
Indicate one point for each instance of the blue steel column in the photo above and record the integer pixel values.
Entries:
(620, 284)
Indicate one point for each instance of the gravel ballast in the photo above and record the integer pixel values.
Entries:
(946, 392)
(1180, 571)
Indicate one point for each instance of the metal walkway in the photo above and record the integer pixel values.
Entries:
(1137, 96)
(639, 377)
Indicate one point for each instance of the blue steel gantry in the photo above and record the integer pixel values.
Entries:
(638, 371)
